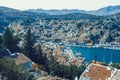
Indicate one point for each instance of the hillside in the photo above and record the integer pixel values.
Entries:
(56, 12)
(101, 30)
(8, 15)
(106, 11)
(78, 27)
(6, 9)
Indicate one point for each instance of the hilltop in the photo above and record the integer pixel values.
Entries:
(100, 12)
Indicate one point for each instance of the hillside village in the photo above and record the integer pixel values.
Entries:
(38, 48)
(76, 32)
(57, 47)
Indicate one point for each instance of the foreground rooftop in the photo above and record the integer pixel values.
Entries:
(97, 72)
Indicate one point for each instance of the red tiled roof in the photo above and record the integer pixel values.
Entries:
(97, 72)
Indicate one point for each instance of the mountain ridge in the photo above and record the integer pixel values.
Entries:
(105, 11)
(100, 12)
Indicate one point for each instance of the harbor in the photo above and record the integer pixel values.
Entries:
(101, 54)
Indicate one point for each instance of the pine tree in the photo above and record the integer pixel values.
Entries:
(28, 44)
(10, 71)
(39, 58)
(8, 40)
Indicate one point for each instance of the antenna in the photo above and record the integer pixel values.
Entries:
(111, 57)
(103, 57)
(95, 58)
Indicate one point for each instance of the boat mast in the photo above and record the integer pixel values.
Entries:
(111, 57)
(103, 58)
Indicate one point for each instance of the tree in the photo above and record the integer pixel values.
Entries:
(69, 72)
(28, 44)
(116, 65)
(1, 42)
(16, 41)
(39, 57)
(8, 40)
(11, 71)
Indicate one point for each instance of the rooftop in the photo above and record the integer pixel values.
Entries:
(21, 58)
(97, 72)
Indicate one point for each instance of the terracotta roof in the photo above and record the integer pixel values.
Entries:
(97, 72)
(21, 59)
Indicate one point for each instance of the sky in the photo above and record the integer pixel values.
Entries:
(58, 4)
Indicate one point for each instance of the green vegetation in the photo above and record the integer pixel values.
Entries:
(104, 64)
(9, 41)
(69, 72)
(10, 71)
(65, 71)
(39, 57)
(1, 42)
(28, 44)
(116, 65)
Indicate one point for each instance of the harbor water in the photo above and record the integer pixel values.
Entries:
(100, 54)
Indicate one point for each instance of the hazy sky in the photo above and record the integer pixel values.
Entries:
(58, 4)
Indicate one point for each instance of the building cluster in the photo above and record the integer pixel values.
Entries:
(62, 54)
(71, 31)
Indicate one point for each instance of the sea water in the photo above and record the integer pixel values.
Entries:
(100, 54)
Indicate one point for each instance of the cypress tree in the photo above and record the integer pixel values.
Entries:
(9, 41)
(28, 44)
(39, 57)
